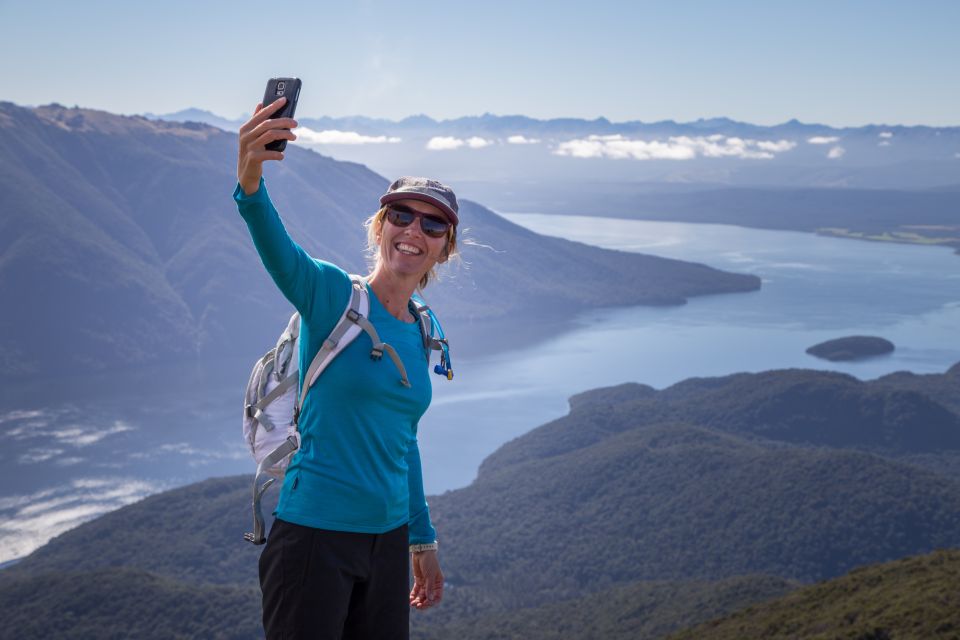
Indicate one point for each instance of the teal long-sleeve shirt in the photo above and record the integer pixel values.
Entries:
(358, 467)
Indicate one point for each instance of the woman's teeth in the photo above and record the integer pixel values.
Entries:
(410, 250)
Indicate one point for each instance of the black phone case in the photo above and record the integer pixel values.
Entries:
(278, 88)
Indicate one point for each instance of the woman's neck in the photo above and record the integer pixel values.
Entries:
(394, 294)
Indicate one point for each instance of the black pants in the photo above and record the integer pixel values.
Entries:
(328, 585)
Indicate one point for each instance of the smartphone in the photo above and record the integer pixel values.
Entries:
(280, 88)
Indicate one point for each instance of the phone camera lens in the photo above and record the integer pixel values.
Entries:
(280, 86)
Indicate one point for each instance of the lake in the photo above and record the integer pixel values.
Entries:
(814, 288)
(81, 446)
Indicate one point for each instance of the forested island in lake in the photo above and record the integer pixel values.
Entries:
(852, 348)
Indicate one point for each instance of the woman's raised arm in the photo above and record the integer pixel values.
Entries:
(298, 276)
(255, 134)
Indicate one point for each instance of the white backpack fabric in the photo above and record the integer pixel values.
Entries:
(272, 402)
(271, 398)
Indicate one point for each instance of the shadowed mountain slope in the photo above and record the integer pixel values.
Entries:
(127, 227)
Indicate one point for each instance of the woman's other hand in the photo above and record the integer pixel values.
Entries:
(427, 580)
(255, 134)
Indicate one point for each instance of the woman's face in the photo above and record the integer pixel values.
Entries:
(408, 251)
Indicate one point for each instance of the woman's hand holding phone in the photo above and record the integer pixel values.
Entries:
(255, 134)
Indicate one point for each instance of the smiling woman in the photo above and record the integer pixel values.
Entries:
(433, 223)
(352, 504)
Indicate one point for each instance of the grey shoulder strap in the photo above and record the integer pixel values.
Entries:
(343, 333)
(421, 311)
(351, 323)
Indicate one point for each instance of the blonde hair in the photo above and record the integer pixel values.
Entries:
(374, 224)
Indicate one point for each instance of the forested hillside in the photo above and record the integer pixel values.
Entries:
(648, 507)
(915, 597)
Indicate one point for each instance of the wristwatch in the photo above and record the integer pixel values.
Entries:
(429, 546)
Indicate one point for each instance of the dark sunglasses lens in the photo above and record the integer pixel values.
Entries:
(433, 226)
(400, 218)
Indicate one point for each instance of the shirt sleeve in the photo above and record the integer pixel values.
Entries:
(420, 528)
(298, 276)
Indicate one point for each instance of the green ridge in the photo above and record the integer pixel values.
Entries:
(910, 598)
(125, 603)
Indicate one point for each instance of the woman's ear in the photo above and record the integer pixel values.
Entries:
(445, 254)
(449, 247)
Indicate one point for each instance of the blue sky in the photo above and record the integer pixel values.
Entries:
(834, 62)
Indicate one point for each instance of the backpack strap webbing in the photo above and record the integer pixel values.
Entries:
(291, 444)
(351, 316)
(343, 333)
(433, 336)
(255, 411)
(379, 347)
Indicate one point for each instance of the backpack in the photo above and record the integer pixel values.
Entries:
(273, 401)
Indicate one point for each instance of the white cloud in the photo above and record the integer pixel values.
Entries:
(822, 139)
(183, 448)
(836, 152)
(447, 143)
(20, 415)
(195, 457)
(883, 143)
(68, 461)
(42, 454)
(79, 436)
(776, 147)
(674, 148)
(518, 139)
(53, 430)
(477, 142)
(444, 143)
(886, 134)
(334, 136)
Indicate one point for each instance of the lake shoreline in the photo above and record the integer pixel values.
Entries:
(884, 235)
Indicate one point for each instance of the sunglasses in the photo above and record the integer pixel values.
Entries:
(431, 225)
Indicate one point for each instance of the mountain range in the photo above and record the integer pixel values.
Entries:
(876, 182)
(126, 226)
(640, 513)
(515, 151)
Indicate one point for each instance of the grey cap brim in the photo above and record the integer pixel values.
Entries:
(400, 194)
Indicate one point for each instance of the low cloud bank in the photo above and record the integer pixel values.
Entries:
(334, 136)
(448, 143)
(617, 146)
(29, 521)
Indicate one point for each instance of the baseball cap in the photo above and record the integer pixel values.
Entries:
(425, 190)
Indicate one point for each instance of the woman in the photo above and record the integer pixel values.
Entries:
(352, 504)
